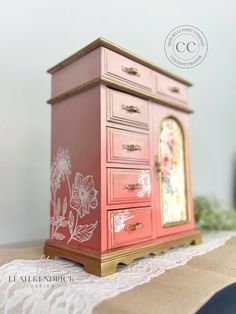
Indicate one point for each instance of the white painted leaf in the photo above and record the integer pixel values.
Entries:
(84, 232)
(58, 208)
(64, 206)
(59, 236)
(60, 219)
(64, 223)
(71, 221)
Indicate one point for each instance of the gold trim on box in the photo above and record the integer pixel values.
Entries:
(103, 264)
(121, 87)
(114, 47)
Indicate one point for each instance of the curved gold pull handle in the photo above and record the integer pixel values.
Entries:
(133, 186)
(131, 108)
(174, 89)
(131, 147)
(130, 70)
(158, 166)
(132, 227)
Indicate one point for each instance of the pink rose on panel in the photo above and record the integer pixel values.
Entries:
(166, 159)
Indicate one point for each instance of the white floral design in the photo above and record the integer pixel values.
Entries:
(144, 180)
(83, 197)
(61, 168)
(58, 220)
(118, 221)
(80, 233)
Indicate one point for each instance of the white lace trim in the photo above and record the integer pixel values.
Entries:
(86, 290)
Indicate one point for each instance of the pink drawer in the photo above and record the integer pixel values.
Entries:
(128, 186)
(126, 109)
(168, 87)
(127, 70)
(128, 226)
(127, 147)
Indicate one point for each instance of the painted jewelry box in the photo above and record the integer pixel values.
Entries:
(120, 174)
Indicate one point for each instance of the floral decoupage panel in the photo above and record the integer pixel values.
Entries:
(173, 185)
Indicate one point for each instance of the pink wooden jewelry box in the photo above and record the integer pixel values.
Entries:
(120, 174)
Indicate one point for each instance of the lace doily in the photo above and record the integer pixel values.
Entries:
(61, 286)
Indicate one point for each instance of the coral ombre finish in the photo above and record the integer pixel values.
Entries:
(107, 170)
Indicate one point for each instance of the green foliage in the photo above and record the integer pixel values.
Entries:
(211, 216)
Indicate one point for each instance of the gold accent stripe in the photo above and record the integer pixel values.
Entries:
(122, 87)
(102, 264)
(75, 90)
(110, 45)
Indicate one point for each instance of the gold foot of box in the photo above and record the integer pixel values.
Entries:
(105, 263)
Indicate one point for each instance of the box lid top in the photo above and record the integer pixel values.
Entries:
(110, 45)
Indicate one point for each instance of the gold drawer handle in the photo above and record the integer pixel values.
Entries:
(130, 70)
(174, 89)
(132, 227)
(133, 186)
(131, 147)
(130, 108)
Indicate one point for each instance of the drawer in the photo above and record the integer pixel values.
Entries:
(171, 88)
(127, 70)
(128, 186)
(126, 109)
(128, 226)
(127, 147)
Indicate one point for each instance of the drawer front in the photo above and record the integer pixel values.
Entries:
(127, 147)
(171, 88)
(128, 186)
(128, 226)
(127, 70)
(126, 109)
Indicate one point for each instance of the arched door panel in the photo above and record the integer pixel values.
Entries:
(173, 190)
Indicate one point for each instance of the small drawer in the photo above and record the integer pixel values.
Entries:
(171, 88)
(127, 147)
(128, 226)
(127, 70)
(126, 109)
(128, 186)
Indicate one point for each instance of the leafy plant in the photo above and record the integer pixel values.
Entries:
(210, 215)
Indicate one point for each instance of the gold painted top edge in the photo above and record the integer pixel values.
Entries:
(110, 45)
(122, 87)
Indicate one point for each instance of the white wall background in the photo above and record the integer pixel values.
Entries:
(37, 34)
